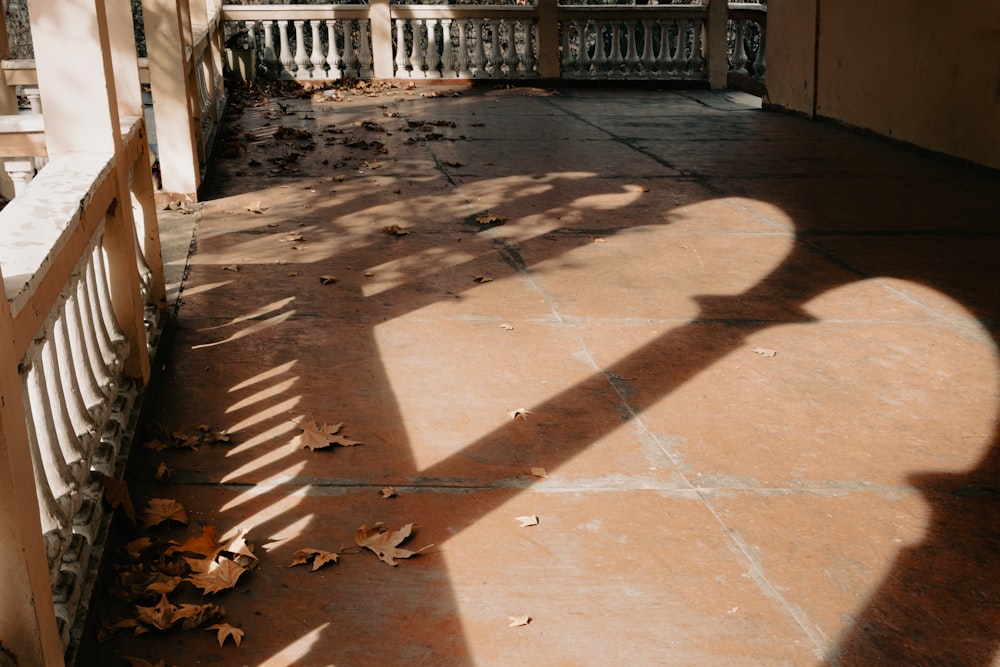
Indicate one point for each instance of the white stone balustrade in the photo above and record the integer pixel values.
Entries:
(661, 42)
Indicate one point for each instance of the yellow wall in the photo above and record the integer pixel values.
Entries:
(927, 73)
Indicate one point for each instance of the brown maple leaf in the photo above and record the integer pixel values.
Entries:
(162, 509)
(225, 631)
(206, 544)
(383, 542)
(216, 576)
(318, 557)
(159, 616)
(116, 494)
(316, 437)
(193, 615)
(241, 551)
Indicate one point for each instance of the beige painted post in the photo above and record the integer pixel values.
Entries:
(548, 39)
(28, 626)
(176, 135)
(716, 57)
(791, 55)
(380, 20)
(88, 120)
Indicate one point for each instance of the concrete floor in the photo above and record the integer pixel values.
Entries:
(758, 357)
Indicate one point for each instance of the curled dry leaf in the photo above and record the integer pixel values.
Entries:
(318, 557)
(387, 492)
(254, 207)
(231, 267)
(292, 237)
(328, 280)
(395, 230)
(507, 327)
(163, 509)
(490, 219)
(116, 494)
(518, 621)
(520, 412)
(163, 473)
(482, 279)
(539, 472)
(383, 542)
(226, 631)
(527, 520)
(764, 352)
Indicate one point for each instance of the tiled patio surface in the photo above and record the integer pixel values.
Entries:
(757, 354)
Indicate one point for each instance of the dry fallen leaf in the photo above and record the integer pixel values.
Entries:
(369, 274)
(539, 472)
(193, 615)
(163, 473)
(528, 520)
(291, 237)
(388, 492)
(254, 207)
(206, 544)
(116, 494)
(506, 327)
(318, 557)
(764, 352)
(225, 631)
(395, 230)
(216, 576)
(520, 412)
(327, 280)
(162, 509)
(490, 219)
(383, 542)
(316, 437)
(159, 616)
(231, 267)
(482, 279)
(517, 621)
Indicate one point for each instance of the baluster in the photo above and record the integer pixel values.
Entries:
(447, 50)
(104, 378)
(56, 523)
(738, 61)
(647, 61)
(316, 59)
(71, 448)
(462, 58)
(350, 58)
(71, 370)
(285, 55)
(112, 363)
(583, 53)
(433, 58)
(59, 478)
(270, 60)
(478, 53)
(510, 56)
(697, 58)
(529, 61)
(568, 61)
(600, 58)
(664, 59)
(631, 51)
(365, 61)
(21, 172)
(681, 54)
(119, 344)
(616, 61)
(301, 62)
(416, 50)
(401, 59)
(494, 63)
(759, 61)
(333, 54)
(90, 394)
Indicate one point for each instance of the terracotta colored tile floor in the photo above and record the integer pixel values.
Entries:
(757, 354)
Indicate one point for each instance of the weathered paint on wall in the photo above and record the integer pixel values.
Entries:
(926, 73)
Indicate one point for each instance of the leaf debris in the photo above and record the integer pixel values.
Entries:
(384, 542)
